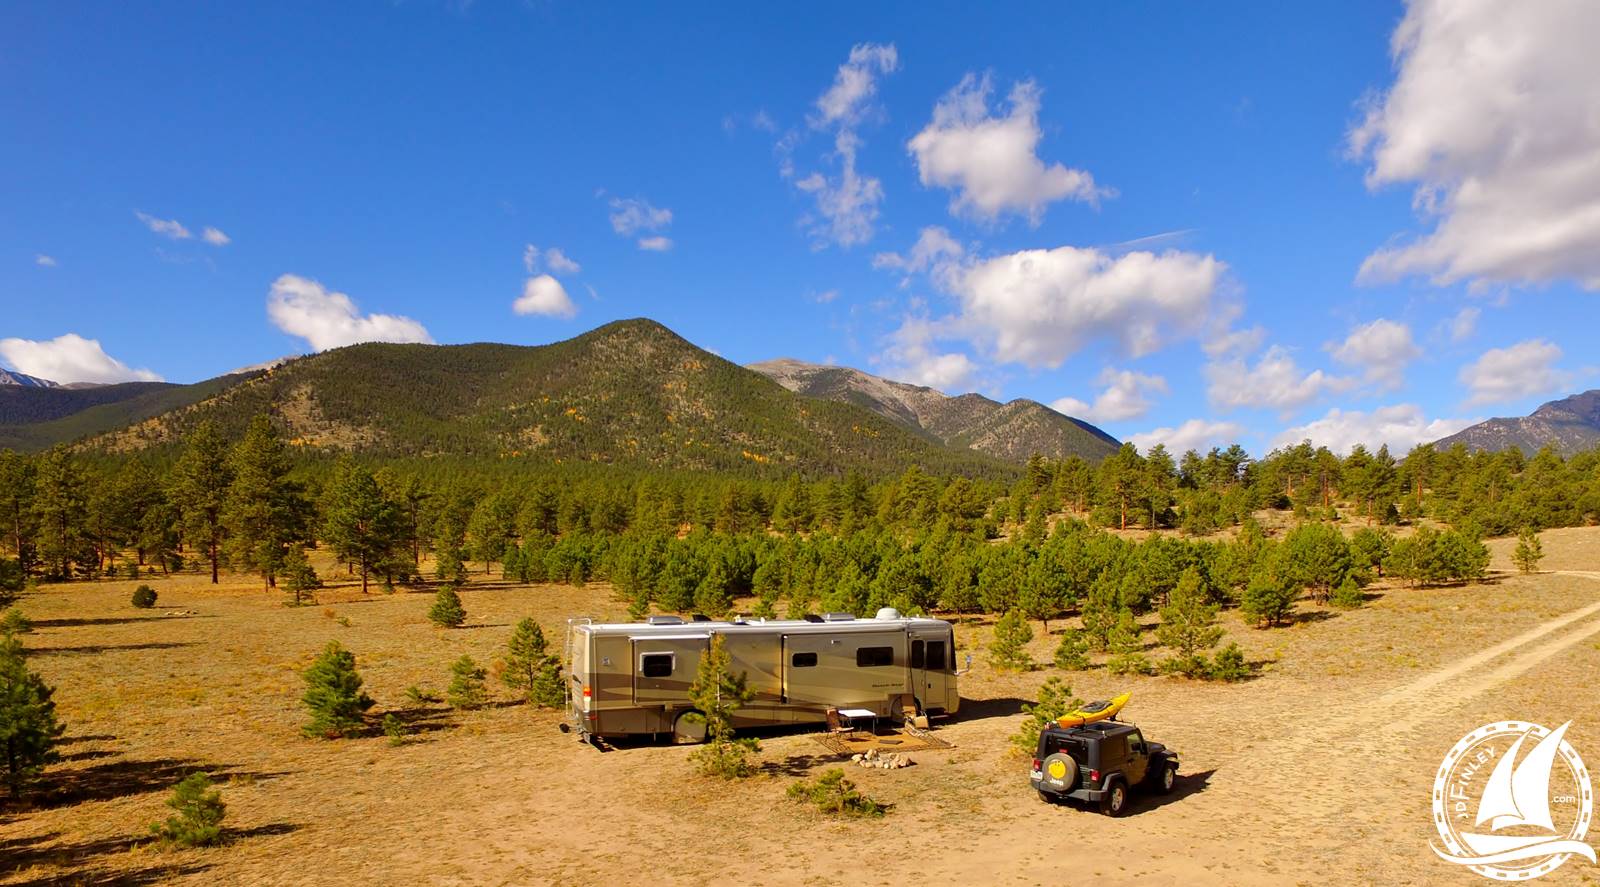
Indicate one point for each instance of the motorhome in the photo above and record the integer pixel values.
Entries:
(630, 679)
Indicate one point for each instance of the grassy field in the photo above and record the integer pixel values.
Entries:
(1317, 771)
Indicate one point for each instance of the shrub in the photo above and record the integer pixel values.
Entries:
(28, 725)
(144, 597)
(466, 688)
(1011, 635)
(197, 820)
(14, 622)
(1230, 665)
(446, 611)
(531, 668)
(1055, 700)
(1072, 653)
(1528, 552)
(1348, 595)
(834, 795)
(394, 729)
(333, 694)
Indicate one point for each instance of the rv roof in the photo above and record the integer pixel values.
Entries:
(701, 629)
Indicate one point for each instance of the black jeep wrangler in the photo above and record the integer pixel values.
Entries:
(1100, 762)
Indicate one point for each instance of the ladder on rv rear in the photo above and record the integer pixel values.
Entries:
(573, 716)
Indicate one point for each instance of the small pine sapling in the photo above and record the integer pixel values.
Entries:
(446, 611)
(15, 622)
(28, 726)
(1055, 700)
(1528, 552)
(466, 690)
(1230, 665)
(333, 694)
(1348, 595)
(835, 795)
(394, 729)
(197, 817)
(1008, 651)
(144, 597)
(298, 576)
(530, 667)
(1127, 647)
(717, 693)
(1072, 654)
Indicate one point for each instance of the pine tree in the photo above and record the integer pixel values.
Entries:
(531, 668)
(717, 693)
(1072, 654)
(265, 513)
(1188, 625)
(466, 690)
(200, 484)
(361, 525)
(1055, 700)
(1127, 646)
(28, 726)
(1009, 651)
(17, 477)
(198, 813)
(1528, 552)
(1267, 600)
(333, 694)
(1348, 595)
(1100, 610)
(298, 576)
(446, 611)
(1230, 665)
(60, 514)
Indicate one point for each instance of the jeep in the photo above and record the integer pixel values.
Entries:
(1100, 763)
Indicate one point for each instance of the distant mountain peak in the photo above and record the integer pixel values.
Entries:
(8, 377)
(1570, 424)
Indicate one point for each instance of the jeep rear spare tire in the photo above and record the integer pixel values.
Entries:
(1059, 772)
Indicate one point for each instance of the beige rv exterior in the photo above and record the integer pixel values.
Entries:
(628, 679)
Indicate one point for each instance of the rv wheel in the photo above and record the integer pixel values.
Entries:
(689, 728)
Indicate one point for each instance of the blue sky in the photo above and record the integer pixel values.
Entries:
(1156, 216)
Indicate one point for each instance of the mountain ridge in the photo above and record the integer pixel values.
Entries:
(1570, 424)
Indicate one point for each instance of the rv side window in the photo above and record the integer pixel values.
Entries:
(655, 665)
(936, 655)
(803, 660)
(869, 657)
(917, 652)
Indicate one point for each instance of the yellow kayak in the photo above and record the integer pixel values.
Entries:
(1094, 711)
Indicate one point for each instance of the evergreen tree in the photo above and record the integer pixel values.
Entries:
(361, 525)
(1188, 625)
(1230, 665)
(531, 668)
(1127, 646)
(1008, 651)
(264, 513)
(200, 483)
(1101, 609)
(333, 694)
(60, 514)
(197, 817)
(16, 506)
(466, 690)
(1267, 600)
(298, 576)
(1072, 654)
(1528, 552)
(1055, 700)
(446, 611)
(1316, 557)
(1348, 595)
(717, 693)
(28, 726)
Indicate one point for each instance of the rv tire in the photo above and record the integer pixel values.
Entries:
(689, 728)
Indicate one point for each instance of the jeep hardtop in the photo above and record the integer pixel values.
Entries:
(1100, 763)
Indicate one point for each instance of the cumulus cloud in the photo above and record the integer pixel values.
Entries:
(553, 257)
(1522, 370)
(991, 162)
(546, 296)
(935, 251)
(165, 227)
(1041, 306)
(848, 202)
(69, 358)
(1401, 427)
(855, 83)
(634, 215)
(303, 307)
(1274, 381)
(1381, 350)
(1494, 118)
(44, 261)
(909, 355)
(215, 237)
(1126, 396)
(1196, 434)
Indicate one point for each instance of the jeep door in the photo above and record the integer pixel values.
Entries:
(1138, 761)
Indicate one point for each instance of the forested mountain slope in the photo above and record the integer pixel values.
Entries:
(630, 392)
(1012, 431)
(34, 418)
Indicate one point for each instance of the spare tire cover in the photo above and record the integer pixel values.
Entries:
(1059, 772)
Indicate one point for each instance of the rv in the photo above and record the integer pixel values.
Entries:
(633, 679)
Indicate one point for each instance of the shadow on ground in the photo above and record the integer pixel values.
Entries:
(76, 863)
(104, 648)
(119, 778)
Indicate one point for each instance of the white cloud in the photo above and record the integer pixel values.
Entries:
(215, 237)
(1126, 396)
(1196, 434)
(303, 307)
(530, 257)
(992, 162)
(544, 295)
(631, 215)
(847, 203)
(1464, 324)
(165, 227)
(826, 296)
(909, 356)
(1041, 306)
(1401, 426)
(1380, 349)
(1522, 370)
(69, 358)
(1275, 381)
(559, 263)
(1494, 117)
(935, 251)
(656, 244)
(855, 84)
(44, 261)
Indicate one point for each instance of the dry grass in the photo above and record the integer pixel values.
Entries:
(1308, 774)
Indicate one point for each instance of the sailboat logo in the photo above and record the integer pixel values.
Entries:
(1534, 801)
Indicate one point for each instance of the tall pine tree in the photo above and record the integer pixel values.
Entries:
(362, 526)
(265, 512)
(200, 484)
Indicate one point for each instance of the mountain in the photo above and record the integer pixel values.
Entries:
(1012, 431)
(34, 418)
(1570, 424)
(630, 392)
(7, 377)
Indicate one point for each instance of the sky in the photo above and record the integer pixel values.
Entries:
(1190, 224)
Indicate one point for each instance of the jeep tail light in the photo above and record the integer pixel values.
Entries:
(1037, 763)
(1094, 775)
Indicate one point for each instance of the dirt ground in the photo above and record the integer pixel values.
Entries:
(1316, 772)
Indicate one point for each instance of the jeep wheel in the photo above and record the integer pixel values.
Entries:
(1116, 799)
(1169, 778)
(689, 728)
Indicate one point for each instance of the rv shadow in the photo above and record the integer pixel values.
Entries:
(983, 709)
